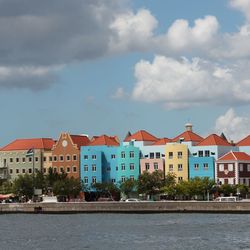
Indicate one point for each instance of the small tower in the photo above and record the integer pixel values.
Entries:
(189, 127)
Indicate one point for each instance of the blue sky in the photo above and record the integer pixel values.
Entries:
(124, 65)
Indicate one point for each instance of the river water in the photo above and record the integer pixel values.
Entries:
(125, 231)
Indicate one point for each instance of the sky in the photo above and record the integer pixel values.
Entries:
(108, 67)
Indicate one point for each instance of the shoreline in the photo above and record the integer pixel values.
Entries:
(127, 207)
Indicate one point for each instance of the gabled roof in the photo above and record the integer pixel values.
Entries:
(188, 136)
(235, 156)
(104, 140)
(141, 135)
(244, 142)
(214, 140)
(80, 140)
(162, 141)
(26, 144)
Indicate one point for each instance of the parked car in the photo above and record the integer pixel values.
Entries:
(132, 200)
(105, 199)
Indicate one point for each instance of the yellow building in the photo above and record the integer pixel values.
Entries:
(176, 160)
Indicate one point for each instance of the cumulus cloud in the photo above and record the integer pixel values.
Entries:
(234, 126)
(243, 6)
(119, 93)
(184, 83)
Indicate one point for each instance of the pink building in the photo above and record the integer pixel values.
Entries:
(152, 165)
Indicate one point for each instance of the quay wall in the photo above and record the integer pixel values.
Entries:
(128, 207)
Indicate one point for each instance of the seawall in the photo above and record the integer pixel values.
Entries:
(128, 207)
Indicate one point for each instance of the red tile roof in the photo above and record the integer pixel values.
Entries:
(141, 135)
(26, 144)
(188, 136)
(162, 141)
(212, 140)
(235, 156)
(104, 140)
(80, 140)
(244, 142)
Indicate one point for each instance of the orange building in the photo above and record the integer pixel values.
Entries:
(66, 154)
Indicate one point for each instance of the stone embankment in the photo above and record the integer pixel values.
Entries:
(128, 207)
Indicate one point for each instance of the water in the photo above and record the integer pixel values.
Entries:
(125, 231)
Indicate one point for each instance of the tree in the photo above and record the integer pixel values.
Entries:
(128, 186)
(169, 185)
(107, 189)
(227, 189)
(23, 186)
(150, 183)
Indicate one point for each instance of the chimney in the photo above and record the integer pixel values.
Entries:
(189, 127)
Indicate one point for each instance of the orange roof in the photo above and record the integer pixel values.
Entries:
(213, 139)
(80, 140)
(244, 142)
(235, 156)
(162, 141)
(26, 144)
(104, 140)
(141, 135)
(188, 136)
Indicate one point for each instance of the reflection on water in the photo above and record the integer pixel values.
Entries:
(125, 231)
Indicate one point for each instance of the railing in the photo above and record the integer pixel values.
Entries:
(3, 165)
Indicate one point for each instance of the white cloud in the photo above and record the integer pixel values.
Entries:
(233, 126)
(119, 93)
(132, 31)
(184, 83)
(242, 5)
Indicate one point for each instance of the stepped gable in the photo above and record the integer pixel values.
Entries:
(104, 140)
(141, 135)
(26, 144)
(188, 136)
(235, 156)
(162, 141)
(244, 142)
(214, 140)
(80, 140)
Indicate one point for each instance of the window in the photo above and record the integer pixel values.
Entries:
(241, 167)
(93, 168)
(113, 156)
(116, 168)
(132, 178)
(55, 158)
(151, 155)
(44, 170)
(23, 159)
(61, 170)
(86, 168)
(248, 167)
(123, 166)
(113, 180)
(68, 157)
(123, 154)
(230, 167)
(74, 157)
(171, 167)
(147, 166)
(205, 166)
(44, 158)
(179, 167)
(179, 155)
(132, 166)
(17, 171)
(157, 155)
(196, 166)
(11, 171)
(94, 157)
(155, 166)
(221, 167)
(30, 159)
(108, 169)
(200, 153)
(50, 158)
(131, 154)
(74, 169)
(61, 158)
(123, 179)
(180, 178)
(170, 155)
(11, 160)
(207, 153)
(55, 170)
(68, 169)
(86, 180)
(17, 160)
(93, 180)
(36, 159)
(23, 170)
(30, 170)
(85, 157)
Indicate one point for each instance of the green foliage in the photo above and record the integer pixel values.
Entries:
(6, 187)
(128, 186)
(106, 189)
(227, 189)
(23, 185)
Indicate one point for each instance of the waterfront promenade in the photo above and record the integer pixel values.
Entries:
(128, 207)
